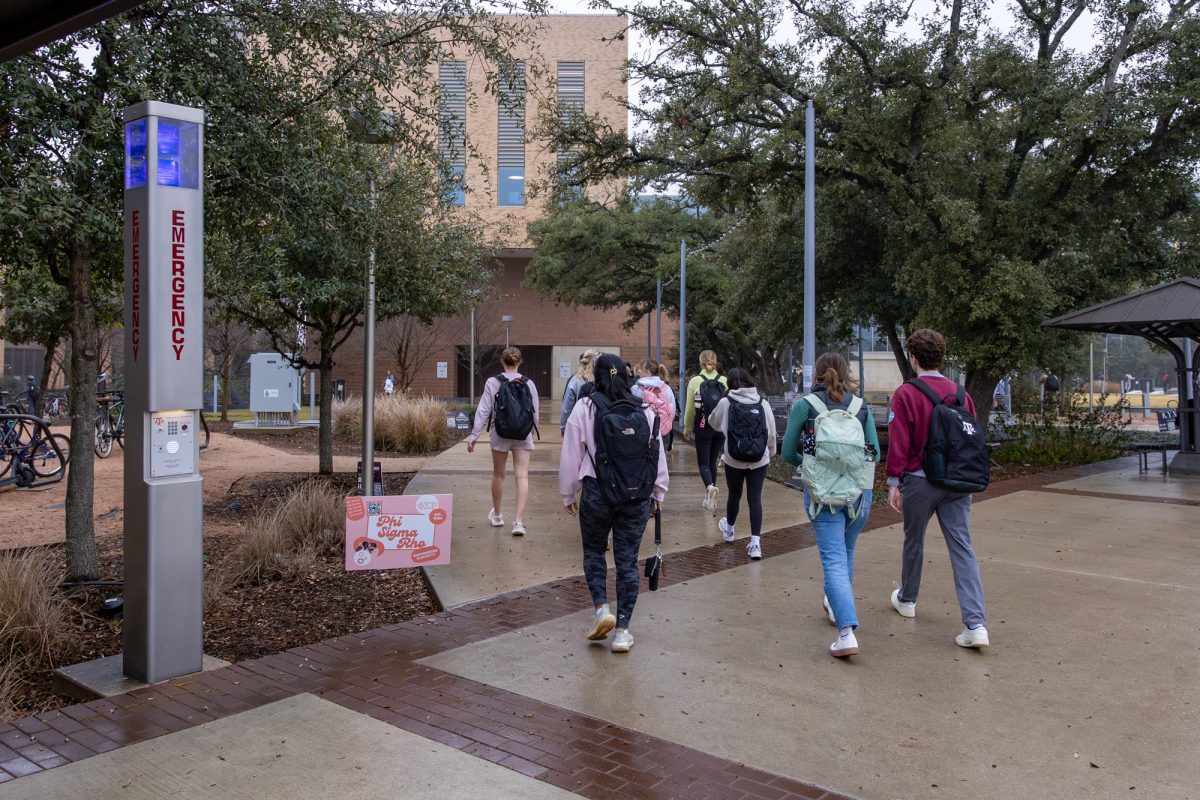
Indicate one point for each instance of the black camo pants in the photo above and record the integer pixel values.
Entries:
(627, 523)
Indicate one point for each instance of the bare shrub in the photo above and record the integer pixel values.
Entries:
(9, 685)
(33, 616)
(403, 423)
(286, 542)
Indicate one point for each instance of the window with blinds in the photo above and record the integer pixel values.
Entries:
(510, 152)
(452, 128)
(570, 108)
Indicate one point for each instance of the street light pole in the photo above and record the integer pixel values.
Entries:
(368, 425)
(507, 319)
(810, 244)
(658, 340)
(682, 324)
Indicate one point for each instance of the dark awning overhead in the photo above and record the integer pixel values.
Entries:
(26, 24)
(1167, 311)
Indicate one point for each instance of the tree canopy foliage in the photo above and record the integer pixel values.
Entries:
(971, 177)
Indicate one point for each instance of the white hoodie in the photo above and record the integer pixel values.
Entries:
(719, 420)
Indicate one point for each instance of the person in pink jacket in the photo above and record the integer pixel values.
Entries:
(598, 512)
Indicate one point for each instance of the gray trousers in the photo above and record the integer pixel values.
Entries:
(921, 501)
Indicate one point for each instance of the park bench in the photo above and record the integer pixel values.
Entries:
(1144, 449)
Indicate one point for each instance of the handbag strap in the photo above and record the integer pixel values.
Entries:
(657, 527)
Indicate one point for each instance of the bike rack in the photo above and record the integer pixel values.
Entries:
(20, 478)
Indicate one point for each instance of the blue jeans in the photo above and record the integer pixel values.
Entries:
(836, 536)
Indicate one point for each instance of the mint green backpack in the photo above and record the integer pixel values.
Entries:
(838, 471)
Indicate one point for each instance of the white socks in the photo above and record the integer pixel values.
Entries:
(754, 542)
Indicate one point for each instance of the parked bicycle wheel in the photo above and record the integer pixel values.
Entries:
(49, 460)
(104, 436)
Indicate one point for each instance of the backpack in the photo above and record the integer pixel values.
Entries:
(661, 405)
(1052, 383)
(512, 413)
(837, 472)
(708, 394)
(747, 437)
(956, 457)
(626, 457)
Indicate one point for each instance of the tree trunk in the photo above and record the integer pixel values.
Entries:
(325, 432)
(906, 370)
(81, 534)
(980, 387)
(226, 374)
(47, 368)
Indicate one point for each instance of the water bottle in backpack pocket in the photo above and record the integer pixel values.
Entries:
(838, 471)
(708, 394)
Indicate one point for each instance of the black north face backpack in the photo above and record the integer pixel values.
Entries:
(747, 439)
(708, 394)
(512, 413)
(626, 457)
(957, 457)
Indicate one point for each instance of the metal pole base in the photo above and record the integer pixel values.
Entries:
(1185, 464)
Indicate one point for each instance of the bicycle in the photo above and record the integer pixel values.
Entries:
(31, 451)
(110, 423)
(56, 405)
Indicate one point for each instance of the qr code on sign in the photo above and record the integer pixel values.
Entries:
(375, 509)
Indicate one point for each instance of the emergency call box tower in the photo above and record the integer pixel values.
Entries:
(164, 370)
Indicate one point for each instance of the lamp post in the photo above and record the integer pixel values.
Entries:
(370, 131)
(507, 319)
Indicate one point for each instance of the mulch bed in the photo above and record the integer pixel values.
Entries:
(252, 621)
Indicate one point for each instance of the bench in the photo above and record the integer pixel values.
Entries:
(1144, 449)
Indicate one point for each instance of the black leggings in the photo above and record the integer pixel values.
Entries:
(753, 479)
(709, 444)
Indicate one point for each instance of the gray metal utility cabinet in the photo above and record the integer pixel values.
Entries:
(274, 390)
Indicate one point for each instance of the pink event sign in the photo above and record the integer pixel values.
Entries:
(397, 532)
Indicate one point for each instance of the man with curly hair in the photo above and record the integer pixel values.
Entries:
(910, 494)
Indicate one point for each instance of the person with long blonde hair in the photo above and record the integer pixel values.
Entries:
(583, 375)
(704, 391)
(521, 449)
(835, 525)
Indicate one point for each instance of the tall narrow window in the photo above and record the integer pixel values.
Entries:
(511, 141)
(452, 128)
(570, 109)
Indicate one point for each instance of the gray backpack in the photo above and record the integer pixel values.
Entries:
(837, 472)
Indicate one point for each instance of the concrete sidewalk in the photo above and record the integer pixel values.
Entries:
(487, 561)
(1091, 688)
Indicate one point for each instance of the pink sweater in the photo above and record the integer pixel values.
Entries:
(579, 442)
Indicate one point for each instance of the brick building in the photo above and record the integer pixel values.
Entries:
(578, 60)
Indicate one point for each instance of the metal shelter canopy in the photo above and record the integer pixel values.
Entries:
(1169, 316)
(26, 24)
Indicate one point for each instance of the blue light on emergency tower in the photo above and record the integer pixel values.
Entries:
(178, 153)
(135, 154)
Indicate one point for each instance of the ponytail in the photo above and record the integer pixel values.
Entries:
(833, 385)
(832, 371)
(662, 372)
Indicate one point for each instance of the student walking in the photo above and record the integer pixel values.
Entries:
(652, 388)
(582, 377)
(509, 408)
(703, 393)
(914, 494)
(389, 384)
(746, 422)
(831, 434)
(613, 453)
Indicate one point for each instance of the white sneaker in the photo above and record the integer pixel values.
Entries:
(977, 637)
(754, 550)
(497, 520)
(828, 610)
(903, 609)
(518, 528)
(622, 641)
(844, 646)
(602, 623)
(726, 529)
(710, 498)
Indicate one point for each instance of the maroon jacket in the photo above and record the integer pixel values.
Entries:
(908, 424)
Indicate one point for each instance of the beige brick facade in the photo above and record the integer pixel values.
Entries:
(551, 335)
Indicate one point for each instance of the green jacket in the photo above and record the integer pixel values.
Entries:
(689, 400)
(796, 418)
